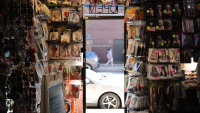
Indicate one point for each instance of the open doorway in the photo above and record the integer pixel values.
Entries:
(104, 81)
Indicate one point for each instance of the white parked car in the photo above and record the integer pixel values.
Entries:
(99, 93)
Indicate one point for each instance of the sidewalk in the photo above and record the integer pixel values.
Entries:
(109, 68)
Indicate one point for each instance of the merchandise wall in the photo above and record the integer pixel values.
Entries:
(43, 61)
(162, 46)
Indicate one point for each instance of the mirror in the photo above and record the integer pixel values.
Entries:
(87, 80)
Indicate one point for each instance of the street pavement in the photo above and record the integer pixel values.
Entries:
(109, 68)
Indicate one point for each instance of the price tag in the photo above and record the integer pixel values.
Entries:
(173, 10)
(157, 27)
(152, 43)
(173, 35)
(164, 11)
(147, 11)
(148, 27)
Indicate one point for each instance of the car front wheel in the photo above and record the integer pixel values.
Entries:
(109, 101)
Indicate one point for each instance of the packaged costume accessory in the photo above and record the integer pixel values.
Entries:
(65, 51)
(153, 95)
(153, 55)
(174, 70)
(187, 25)
(130, 63)
(187, 40)
(160, 25)
(174, 55)
(65, 14)
(75, 72)
(163, 55)
(153, 71)
(53, 51)
(74, 18)
(168, 25)
(163, 71)
(77, 36)
(131, 47)
(56, 15)
(66, 36)
(74, 89)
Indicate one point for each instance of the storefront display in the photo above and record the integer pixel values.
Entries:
(43, 38)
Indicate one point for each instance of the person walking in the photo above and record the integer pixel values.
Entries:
(109, 57)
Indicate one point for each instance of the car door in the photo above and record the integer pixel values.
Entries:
(90, 92)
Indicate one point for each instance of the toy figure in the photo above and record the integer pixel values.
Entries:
(154, 72)
(160, 24)
(169, 25)
(159, 11)
(176, 41)
(168, 10)
(54, 50)
(177, 9)
(163, 71)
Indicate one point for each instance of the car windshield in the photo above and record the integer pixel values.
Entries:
(94, 75)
